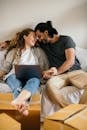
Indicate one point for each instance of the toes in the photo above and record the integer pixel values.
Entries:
(23, 109)
(22, 106)
(25, 113)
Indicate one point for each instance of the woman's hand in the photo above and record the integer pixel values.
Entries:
(47, 74)
(1, 74)
(3, 45)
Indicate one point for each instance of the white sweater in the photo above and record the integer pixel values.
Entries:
(28, 58)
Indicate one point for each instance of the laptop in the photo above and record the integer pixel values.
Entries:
(25, 72)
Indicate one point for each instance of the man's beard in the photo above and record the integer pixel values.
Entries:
(45, 41)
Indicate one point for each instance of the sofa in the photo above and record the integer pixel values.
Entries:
(67, 95)
(67, 90)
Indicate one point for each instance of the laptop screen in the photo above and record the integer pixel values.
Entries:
(25, 72)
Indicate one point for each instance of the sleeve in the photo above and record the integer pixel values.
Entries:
(7, 63)
(42, 58)
(69, 43)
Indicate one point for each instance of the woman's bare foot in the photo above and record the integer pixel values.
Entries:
(23, 108)
(21, 102)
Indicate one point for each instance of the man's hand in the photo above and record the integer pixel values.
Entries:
(54, 71)
(49, 73)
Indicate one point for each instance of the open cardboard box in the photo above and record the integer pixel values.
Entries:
(8, 123)
(72, 117)
(32, 121)
(5, 101)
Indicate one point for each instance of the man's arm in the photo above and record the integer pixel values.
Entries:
(69, 62)
(8, 61)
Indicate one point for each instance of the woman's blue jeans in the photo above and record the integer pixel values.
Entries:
(16, 85)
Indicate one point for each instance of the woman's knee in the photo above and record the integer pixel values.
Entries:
(13, 82)
(32, 85)
(34, 81)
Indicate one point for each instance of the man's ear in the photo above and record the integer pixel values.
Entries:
(24, 36)
(46, 32)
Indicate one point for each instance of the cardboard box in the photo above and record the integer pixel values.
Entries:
(5, 101)
(8, 123)
(72, 117)
(32, 121)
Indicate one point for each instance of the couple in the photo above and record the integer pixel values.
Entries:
(60, 51)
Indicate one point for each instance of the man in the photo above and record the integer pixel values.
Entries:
(59, 49)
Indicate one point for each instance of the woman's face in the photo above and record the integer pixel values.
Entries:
(30, 40)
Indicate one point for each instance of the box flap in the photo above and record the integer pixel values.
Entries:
(66, 112)
(8, 123)
(6, 96)
(78, 121)
(5, 101)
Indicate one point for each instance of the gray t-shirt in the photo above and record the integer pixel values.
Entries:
(56, 52)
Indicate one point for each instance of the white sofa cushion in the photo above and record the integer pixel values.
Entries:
(4, 88)
(81, 54)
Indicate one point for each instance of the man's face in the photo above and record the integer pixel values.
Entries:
(42, 36)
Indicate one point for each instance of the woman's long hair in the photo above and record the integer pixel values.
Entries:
(21, 41)
(18, 42)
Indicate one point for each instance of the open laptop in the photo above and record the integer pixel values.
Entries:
(25, 72)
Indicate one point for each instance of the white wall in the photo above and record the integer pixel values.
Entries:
(68, 16)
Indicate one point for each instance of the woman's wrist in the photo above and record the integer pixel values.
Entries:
(1, 73)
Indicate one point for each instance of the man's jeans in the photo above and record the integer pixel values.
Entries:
(16, 85)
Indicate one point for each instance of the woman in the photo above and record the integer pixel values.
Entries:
(24, 54)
